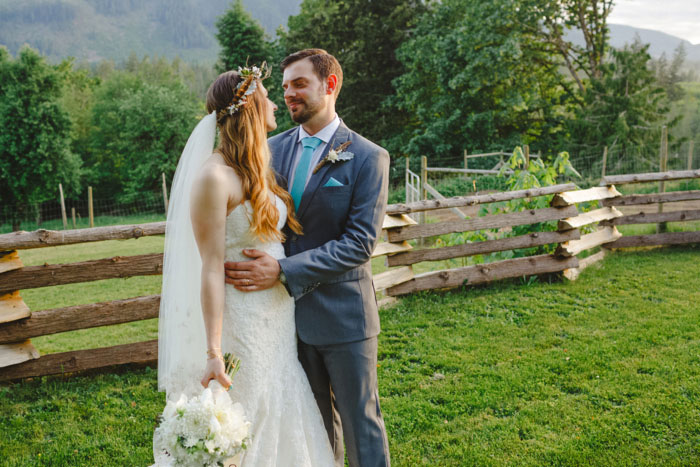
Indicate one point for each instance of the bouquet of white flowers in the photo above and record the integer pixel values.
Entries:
(202, 431)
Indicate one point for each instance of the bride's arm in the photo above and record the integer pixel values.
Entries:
(210, 196)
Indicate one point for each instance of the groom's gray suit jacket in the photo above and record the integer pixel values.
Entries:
(327, 267)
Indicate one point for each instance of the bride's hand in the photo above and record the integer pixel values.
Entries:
(215, 370)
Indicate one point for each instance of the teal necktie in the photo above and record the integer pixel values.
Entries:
(310, 144)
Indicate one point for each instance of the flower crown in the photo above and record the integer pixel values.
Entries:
(245, 88)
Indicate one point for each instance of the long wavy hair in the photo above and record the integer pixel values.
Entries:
(243, 145)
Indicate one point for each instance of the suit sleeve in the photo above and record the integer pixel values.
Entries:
(309, 269)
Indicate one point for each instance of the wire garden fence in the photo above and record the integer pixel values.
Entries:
(478, 169)
(146, 207)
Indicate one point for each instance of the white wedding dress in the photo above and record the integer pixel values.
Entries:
(259, 328)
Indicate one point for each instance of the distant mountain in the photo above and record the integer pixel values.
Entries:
(93, 30)
(659, 42)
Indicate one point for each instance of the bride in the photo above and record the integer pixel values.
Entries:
(223, 201)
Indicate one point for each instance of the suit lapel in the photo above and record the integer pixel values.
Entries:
(342, 134)
(285, 157)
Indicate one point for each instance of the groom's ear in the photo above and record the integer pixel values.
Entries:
(331, 84)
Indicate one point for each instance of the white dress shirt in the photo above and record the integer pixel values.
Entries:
(325, 136)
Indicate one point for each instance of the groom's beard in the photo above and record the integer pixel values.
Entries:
(305, 111)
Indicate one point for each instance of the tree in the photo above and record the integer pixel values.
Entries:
(624, 107)
(35, 151)
(476, 80)
(141, 118)
(363, 35)
(551, 19)
(104, 161)
(242, 39)
(155, 124)
(77, 99)
(669, 76)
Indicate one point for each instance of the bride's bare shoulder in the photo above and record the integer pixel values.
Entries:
(219, 180)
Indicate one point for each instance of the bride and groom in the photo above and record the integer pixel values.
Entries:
(300, 315)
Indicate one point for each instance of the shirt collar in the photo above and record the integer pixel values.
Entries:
(325, 134)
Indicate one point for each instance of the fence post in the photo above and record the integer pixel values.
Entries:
(423, 189)
(526, 150)
(63, 208)
(72, 213)
(663, 166)
(91, 214)
(165, 193)
(466, 160)
(407, 179)
(690, 155)
(605, 161)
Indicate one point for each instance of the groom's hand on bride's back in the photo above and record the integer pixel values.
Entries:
(261, 273)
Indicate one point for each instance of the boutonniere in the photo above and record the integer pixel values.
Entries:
(338, 154)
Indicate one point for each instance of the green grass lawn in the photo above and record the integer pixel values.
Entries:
(84, 222)
(601, 371)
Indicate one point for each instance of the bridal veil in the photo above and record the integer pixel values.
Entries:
(181, 336)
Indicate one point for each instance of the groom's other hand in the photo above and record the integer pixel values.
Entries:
(259, 274)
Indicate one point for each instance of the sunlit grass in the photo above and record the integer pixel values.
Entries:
(602, 371)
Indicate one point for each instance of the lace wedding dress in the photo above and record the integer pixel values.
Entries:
(258, 327)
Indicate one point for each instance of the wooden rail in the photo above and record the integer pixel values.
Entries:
(478, 248)
(653, 198)
(466, 171)
(19, 359)
(45, 238)
(86, 271)
(669, 238)
(655, 217)
(430, 205)
(81, 360)
(649, 177)
(495, 221)
(581, 196)
(43, 323)
(482, 273)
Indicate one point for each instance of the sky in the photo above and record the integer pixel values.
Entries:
(680, 18)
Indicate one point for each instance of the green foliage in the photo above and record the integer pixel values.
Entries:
(154, 125)
(363, 35)
(475, 79)
(141, 119)
(670, 75)
(622, 106)
(105, 162)
(241, 38)
(77, 98)
(538, 173)
(35, 152)
(274, 86)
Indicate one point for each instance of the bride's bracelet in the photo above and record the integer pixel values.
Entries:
(215, 353)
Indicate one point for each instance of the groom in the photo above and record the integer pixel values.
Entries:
(338, 181)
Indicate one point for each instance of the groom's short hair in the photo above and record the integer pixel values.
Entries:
(324, 64)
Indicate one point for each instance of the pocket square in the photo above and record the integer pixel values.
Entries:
(333, 182)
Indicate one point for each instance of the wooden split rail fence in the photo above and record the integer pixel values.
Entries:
(18, 325)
